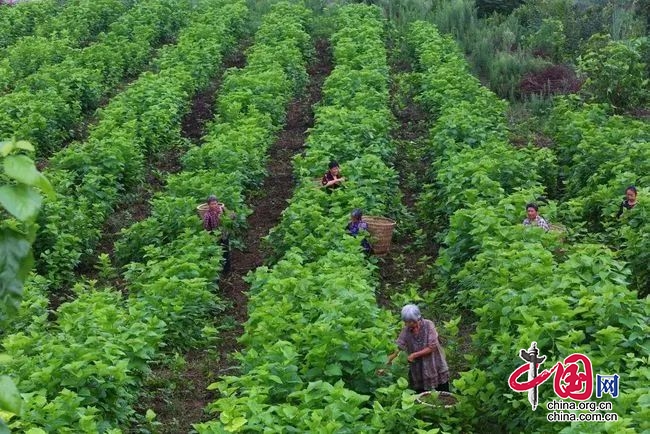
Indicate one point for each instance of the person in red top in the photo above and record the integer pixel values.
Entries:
(212, 217)
(332, 178)
(211, 221)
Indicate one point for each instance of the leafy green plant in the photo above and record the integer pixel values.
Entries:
(616, 71)
(525, 284)
(24, 17)
(101, 366)
(315, 336)
(46, 105)
(146, 118)
(20, 197)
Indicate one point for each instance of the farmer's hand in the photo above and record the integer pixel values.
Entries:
(411, 357)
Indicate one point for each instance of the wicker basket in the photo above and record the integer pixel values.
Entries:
(203, 208)
(447, 396)
(381, 229)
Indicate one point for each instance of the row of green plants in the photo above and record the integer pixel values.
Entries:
(522, 283)
(77, 26)
(48, 106)
(91, 177)
(165, 248)
(232, 159)
(469, 136)
(600, 155)
(82, 372)
(315, 336)
(23, 18)
(173, 231)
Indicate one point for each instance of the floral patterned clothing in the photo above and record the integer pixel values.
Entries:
(425, 373)
(211, 219)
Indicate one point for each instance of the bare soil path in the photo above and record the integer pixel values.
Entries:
(408, 266)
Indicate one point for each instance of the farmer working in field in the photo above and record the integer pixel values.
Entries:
(357, 224)
(534, 219)
(629, 202)
(427, 365)
(211, 221)
(332, 178)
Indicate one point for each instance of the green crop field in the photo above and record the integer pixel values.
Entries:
(121, 313)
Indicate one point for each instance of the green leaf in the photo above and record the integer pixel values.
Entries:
(22, 169)
(334, 370)
(15, 263)
(24, 145)
(9, 397)
(21, 201)
(6, 147)
(150, 415)
(275, 378)
(237, 423)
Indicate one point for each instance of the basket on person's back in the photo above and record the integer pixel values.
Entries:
(381, 229)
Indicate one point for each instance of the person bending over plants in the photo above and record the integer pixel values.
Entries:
(427, 364)
(332, 178)
(211, 221)
(628, 202)
(357, 224)
(534, 219)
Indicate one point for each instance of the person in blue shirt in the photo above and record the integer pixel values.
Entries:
(357, 225)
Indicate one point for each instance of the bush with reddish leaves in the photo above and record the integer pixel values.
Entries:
(556, 79)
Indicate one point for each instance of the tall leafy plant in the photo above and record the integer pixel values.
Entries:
(21, 185)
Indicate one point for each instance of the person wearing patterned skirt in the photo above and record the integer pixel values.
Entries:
(427, 365)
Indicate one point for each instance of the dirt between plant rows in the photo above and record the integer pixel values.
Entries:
(403, 266)
(185, 408)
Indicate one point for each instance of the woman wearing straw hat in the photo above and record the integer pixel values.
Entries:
(211, 221)
(427, 365)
